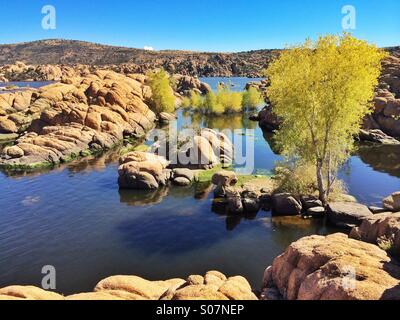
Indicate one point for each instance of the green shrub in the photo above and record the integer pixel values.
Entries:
(252, 98)
(295, 179)
(229, 100)
(197, 101)
(163, 99)
(186, 103)
(213, 106)
(300, 179)
(223, 101)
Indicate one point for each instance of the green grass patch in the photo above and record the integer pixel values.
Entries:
(206, 175)
(140, 148)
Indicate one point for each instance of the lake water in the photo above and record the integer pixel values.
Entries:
(22, 85)
(75, 218)
(26, 84)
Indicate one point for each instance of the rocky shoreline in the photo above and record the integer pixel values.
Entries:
(333, 267)
(214, 285)
(83, 114)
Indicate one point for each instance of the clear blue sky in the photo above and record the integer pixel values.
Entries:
(206, 25)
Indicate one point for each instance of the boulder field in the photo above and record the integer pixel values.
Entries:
(84, 113)
(64, 120)
(213, 285)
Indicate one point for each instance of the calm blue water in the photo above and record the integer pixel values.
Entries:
(75, 218)
(235, 83)
(26, 84)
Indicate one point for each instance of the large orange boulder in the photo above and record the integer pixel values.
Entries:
(382, 229)
(334, 267)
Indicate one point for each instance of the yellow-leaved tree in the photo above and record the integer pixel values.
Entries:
(322, 90)
(163, 99)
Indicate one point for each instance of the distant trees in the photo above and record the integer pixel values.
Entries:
(321, 91)
(163, 99)
(223, 101)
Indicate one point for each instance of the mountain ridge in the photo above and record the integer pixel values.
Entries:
(193, 63)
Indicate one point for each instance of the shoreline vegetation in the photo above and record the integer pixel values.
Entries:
(223, 101)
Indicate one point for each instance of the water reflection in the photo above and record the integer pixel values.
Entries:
(195, 120)
(385, 159)
(218, 206)
(142, 197)
(285, 230)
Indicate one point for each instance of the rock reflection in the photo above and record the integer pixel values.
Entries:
(284, 230)
(81, 165)
(142, 197)
(218, 206)
(202, 190)
(269, 138)
(384, 158)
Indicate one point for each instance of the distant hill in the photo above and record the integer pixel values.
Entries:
(72, 52)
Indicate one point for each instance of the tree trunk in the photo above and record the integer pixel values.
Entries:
(320, 181)
(328, 177)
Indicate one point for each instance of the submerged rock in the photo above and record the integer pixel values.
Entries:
(332, 268)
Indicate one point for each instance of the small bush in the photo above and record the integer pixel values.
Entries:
(196, 100)
(213, 106)
(295, 179)
(252, 98)
(163, 99)
(186, 103)
(223, 101)
(301, 179)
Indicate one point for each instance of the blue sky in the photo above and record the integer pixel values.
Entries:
(201, 25)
